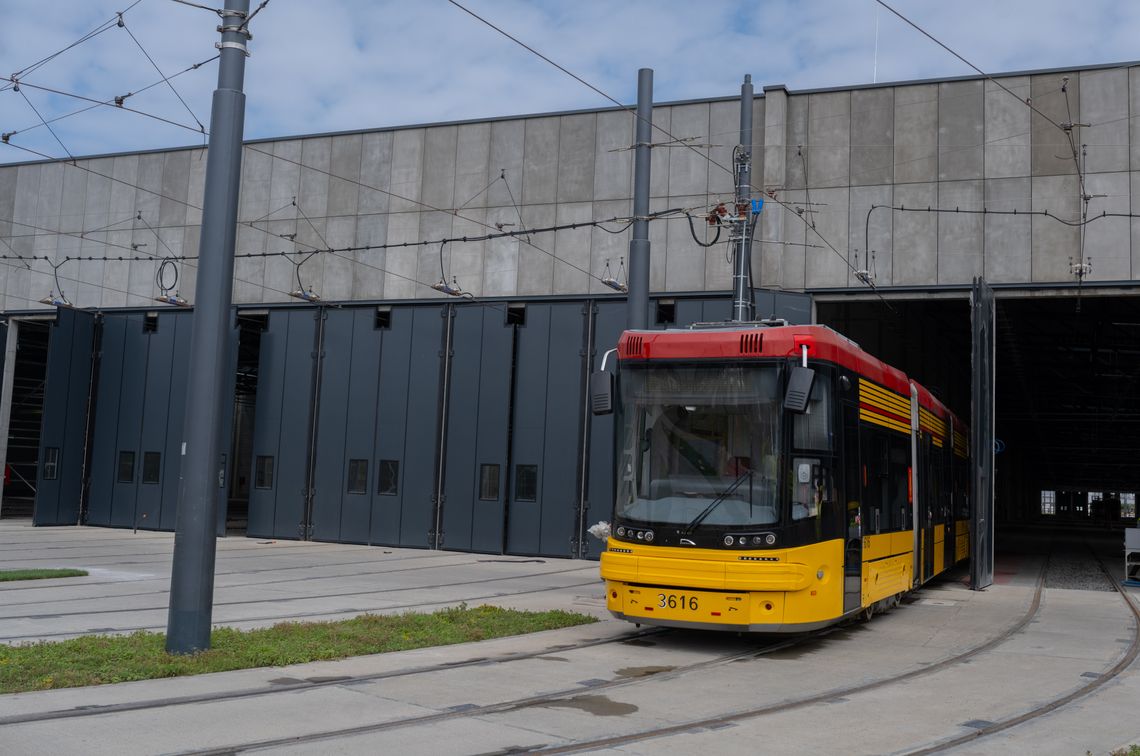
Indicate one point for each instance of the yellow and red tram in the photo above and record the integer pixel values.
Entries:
(776, 478)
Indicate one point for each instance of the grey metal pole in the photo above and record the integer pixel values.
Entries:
(743, 306)
(637, 313)
(192, 579)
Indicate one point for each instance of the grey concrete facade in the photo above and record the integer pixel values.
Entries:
(825, 157)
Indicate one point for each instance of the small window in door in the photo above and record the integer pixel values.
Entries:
(151, 466)
(358, 476)
(263, 472)
(126, 467)
(388, 476)
(488, 482)
(51, 463)
(526, 482)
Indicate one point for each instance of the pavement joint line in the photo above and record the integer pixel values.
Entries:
(286, 685)
(286, 617)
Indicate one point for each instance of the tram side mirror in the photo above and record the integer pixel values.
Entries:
(602, 393)
(799, 389)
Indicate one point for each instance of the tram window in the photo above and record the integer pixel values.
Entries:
(526, 482)
(488, 482)
(1048, 502)
(357, 476)
(898, 505)
(813, 427)
(811, 489)
(388, 476)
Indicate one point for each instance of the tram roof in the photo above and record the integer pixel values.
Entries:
(733, 341)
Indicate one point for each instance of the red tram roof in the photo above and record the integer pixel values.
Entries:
(774, 341)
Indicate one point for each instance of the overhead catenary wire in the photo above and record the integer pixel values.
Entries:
(709, 158)
(45, 123)
(116, 100)
(165, 78)
(110, 23)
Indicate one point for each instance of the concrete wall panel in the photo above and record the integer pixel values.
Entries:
(1055, 243)
(1007, 128)
(472, 166)
(872, 231)
(915, 258)
(961, 123)
(960, 236)
(1107, 240)
(540, 163)
(916, 133)
(1104, 106)
(438, 188)
(344, 165)
(1059, 102)
(613, 170)
(872, 136)
(689, 168)
(829, 139)
(1007, 238)
(576, 157)
(536, 257)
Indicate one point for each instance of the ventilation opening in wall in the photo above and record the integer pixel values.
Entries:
(516, 314)
(383, 318)
(30, 370)
(666, 312)
(251, 325)
(150, 322)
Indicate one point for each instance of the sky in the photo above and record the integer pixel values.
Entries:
(342, 65)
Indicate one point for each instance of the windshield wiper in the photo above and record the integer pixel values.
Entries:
(747, 474)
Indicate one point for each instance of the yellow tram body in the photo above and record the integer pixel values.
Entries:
(732, 517)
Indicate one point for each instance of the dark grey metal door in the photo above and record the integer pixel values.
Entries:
(281, 430)
(982, 436)
(63, 428)
(478, 413)
(546, 444)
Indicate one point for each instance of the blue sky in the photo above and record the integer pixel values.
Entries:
(354, 64)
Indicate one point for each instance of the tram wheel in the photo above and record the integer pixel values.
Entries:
(868, 613)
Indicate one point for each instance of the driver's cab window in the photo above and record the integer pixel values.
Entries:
(812, 428)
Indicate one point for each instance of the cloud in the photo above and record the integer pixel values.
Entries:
(357, 64)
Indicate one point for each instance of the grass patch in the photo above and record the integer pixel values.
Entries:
(39, 574)
(100, 659)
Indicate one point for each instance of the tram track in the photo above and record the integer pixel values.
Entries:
(1056, 704)
(310, 615)
(316, 683)
(259, 584)
(551, 697)
(468, 712)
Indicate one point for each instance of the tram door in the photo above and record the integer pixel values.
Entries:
(927, 505)
(852, 529)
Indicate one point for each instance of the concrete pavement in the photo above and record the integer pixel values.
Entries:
(559, 688)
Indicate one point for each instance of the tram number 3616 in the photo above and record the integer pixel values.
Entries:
(673, 601)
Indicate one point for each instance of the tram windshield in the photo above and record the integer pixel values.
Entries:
(699, 445)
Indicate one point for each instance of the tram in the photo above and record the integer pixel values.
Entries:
(775, 478)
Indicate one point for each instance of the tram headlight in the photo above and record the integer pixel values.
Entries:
(640, 535)
(728, 540)
(770, 539)
(648, 536)
(621, 531)
(757, 540)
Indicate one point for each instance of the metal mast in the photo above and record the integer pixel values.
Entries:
(743, 220)
(637, 314)
(192, 577)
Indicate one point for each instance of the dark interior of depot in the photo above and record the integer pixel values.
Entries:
(1067, 415)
